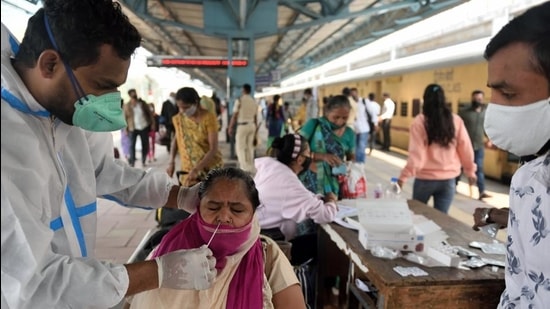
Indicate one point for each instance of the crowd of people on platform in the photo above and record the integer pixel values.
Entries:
(60, 103)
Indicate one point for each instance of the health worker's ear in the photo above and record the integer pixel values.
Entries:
(49, 63)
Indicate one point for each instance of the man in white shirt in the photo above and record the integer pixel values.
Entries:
(312, 108)
(364, 113)
(516, 120)
(245, 116)
(375, 108)
(388, 110)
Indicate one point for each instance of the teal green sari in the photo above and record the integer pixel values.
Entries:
(322, 139)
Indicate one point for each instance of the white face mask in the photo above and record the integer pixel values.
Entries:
(191, 111)
(521, 130)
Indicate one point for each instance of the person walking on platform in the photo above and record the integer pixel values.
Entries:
(139, 120)
(288, 114)
(438, 146)
(473, 117)
(245, 113)
(59, 106)
(169, 110)
(388, 109)
(364, 123)
(353, 111)
(312, 108)
(375, 108)
(151, 156)
(275, 119)
(516, 120)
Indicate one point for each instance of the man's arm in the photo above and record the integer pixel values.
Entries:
(143, 276)
(234, 117)
(231, 126)
(172, 163)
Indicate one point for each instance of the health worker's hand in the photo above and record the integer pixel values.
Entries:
(188, 198)
(192, 269)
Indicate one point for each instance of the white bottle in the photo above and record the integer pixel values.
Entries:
(393, 190)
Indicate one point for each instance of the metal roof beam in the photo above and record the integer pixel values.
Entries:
(368, 11)
(300, 8)
(334, 7)
(139, 7)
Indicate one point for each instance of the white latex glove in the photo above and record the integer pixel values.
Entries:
(191, 269)
(188, 198)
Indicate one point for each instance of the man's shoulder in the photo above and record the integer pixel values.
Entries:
(247, 99)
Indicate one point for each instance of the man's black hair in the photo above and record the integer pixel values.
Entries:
(79, 28)
(531, 27)
(476, 92)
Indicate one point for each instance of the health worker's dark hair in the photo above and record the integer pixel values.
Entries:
(79, 28)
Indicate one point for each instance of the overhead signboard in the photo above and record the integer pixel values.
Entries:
(262, 80)
(194, 62)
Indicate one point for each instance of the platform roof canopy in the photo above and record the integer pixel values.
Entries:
(289, 36)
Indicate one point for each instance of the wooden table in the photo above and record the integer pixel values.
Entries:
(341, 254)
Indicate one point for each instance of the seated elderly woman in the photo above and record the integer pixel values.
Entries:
(252, 272)
(285, 200)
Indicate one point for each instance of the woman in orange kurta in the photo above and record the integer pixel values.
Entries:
(196, 141)
(439, 146)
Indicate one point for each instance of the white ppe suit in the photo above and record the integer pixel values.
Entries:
(52, 174)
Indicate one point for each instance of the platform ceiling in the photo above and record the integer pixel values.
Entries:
(289, 36)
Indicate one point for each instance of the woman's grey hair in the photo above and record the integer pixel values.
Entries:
(231, 173)
(337, 101)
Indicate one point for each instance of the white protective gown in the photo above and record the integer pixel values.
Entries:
(52, 174)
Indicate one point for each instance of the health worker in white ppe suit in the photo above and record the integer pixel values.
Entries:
(518, 120)
(59, 102)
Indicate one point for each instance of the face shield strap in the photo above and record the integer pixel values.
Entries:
(76, 85)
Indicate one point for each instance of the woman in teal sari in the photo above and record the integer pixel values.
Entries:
(332, 143)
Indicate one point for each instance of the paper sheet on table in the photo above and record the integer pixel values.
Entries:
(346, 211)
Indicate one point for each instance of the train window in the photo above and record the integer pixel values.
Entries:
(404, 109)
(416, 107)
